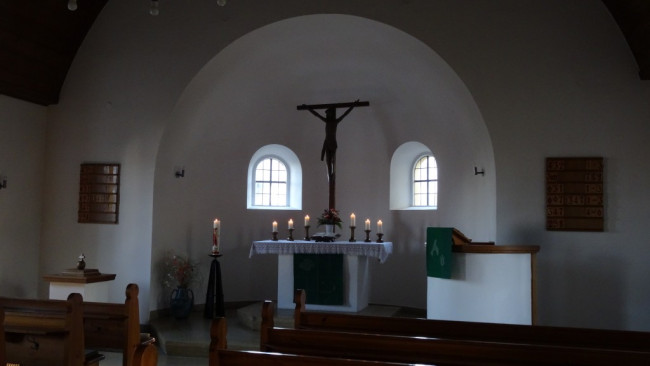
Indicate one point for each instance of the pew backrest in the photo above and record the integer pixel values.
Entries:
(247, 358)
(41, 332)
(397, 348)
(115, 326)
(562, 336)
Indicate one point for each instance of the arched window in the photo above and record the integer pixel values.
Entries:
(274, 179)
(271, 183)
(425, 182)
(413, 178)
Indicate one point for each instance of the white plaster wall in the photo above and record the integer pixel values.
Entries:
(549, 78)
(22, 150)
(246, 97)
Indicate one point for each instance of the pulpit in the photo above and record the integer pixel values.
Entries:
(355, 269)
(90, 283)
(479, 282)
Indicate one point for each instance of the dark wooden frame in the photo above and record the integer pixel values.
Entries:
(575, 194)
(99, 193)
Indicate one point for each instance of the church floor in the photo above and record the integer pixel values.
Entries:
(186, 342)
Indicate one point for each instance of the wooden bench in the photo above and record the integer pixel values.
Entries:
(46, 332)
(562, 336)
(113, 326)
(407, 349)
(221, 356)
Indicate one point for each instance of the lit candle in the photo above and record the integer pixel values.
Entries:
(380, 227)
(275, 226)
(306, 220)
(216, 233)
(290, 223)
(367, 224)
(353, 220)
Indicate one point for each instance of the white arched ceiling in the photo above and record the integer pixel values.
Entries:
(246, 97)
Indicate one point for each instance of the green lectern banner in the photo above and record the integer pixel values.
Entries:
(321, 276)
(439, 242)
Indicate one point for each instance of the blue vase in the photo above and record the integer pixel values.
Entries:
(181, 302)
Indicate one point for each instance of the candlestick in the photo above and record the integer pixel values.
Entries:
(290, 224)
(215, 241)
(290, 238)
(307, 231)
(379, 236)
(275, 236)
(367, 224)
(380, 227)
(353, 220)
(306, 220)
(367, 236)
(352, 240)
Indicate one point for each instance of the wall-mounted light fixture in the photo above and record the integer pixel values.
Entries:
(477, 172)
(180, 172)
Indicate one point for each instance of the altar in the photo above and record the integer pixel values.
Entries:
(356, 278)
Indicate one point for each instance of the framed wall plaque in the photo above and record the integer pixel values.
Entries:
(99, 193)
(574, 194)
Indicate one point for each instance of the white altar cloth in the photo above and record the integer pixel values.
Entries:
(380, 251)
(356, 272)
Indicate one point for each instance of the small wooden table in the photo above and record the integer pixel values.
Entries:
(90, 283)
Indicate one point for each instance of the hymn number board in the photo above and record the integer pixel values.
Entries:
(99, 193)
(574, 194)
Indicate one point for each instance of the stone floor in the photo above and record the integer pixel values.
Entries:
(186, 342)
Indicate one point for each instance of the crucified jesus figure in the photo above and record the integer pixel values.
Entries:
(329, 145)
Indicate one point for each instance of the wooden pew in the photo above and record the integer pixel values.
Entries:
(562, 336)
(247, 358)
(46, 332)
(221, 356)
(393, 348)
(113, 326)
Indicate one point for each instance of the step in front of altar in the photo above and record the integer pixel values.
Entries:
(250, 316)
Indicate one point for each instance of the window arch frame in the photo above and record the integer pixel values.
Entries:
(401, 175)
(294, 177)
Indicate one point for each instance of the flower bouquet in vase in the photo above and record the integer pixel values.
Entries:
(329, 218)
(178, 274)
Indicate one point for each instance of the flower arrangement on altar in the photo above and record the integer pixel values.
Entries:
(178, 271)
(330, 217)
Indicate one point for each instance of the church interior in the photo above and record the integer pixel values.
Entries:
(183, 97)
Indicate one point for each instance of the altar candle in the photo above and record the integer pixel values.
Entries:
(275, 226)
(380, 227)
(353, 220)
(290, 223)
(306, 220)
(216, 224)
(367, 224)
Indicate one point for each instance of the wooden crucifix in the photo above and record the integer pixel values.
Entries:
(329, 145)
